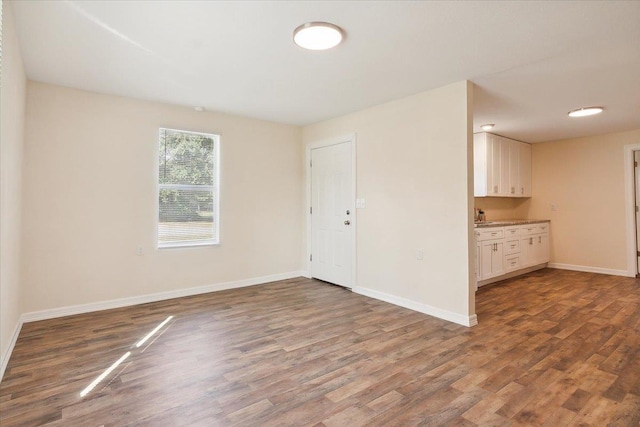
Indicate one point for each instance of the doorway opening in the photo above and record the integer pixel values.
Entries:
(632, 206)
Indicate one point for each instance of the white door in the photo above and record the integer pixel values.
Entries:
(332, 214)
(636, 157)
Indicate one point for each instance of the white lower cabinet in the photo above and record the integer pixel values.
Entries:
(478, 250)
(492, 259)
(502, 251)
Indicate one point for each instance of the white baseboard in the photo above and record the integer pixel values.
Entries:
(416, 306)
(125, 302)
(7, 354)
(587, 269)
(143, 299)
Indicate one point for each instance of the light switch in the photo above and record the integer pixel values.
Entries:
(360, 204)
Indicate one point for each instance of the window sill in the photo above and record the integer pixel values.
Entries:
(189, 244)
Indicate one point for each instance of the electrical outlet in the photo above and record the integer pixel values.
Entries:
(554, 207)
(419, 254)
(140, 251)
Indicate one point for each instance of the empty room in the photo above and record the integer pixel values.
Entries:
(320, 213)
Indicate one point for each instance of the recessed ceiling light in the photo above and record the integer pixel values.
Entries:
(199, 109)
(585, 111)
(317, 35)
(488, 126)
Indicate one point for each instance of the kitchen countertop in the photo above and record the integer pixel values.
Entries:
(505, 222)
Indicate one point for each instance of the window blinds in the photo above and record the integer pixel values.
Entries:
(187, 198)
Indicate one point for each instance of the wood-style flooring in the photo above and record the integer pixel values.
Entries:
(552, 348)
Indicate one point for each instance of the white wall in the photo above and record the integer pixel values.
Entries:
(90, 199)
(415, 171)
(12, 103)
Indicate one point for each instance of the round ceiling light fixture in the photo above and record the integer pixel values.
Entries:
(488, 126)
(318, 35)
(586, 111)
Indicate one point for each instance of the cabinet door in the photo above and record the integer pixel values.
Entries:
(492, 259)
(526, 244)
(525, 170)
(478, 263)
(540, 249)
(494, 160)
(544, 248)
(514, 168)
(480, 178)
(497, 261)
(486, 254)
(504, 166)
(534, 254)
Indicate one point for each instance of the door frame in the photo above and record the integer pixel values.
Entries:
(629, 196)
(351, 140)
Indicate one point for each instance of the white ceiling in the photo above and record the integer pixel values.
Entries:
(532, 61)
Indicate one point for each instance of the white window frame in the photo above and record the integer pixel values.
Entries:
(215, 189)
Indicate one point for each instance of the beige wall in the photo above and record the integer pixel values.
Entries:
(90, 199)
(496, 208)
(584, 177)
(413, 170)
(12, 124)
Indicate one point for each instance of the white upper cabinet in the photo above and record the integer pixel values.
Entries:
(502, 166)
(525, 170)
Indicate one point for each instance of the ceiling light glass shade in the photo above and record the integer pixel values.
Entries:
(585, 111)
(317, 35)
(488, 126)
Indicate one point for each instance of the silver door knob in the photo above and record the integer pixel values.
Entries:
(347, 222)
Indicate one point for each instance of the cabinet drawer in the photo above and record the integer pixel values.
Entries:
(490, 233)
(512, 262)
(512, 246)
(511, 231)
(525, 230)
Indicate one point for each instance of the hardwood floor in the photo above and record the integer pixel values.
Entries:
(552, 348)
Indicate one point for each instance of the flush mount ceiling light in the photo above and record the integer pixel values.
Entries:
(488, 126)
(199, 109)
(585, 111)
(317, 35)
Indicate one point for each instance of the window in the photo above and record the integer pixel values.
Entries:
(188, 189)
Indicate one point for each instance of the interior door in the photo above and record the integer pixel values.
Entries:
(332, 214)
(636, 157)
